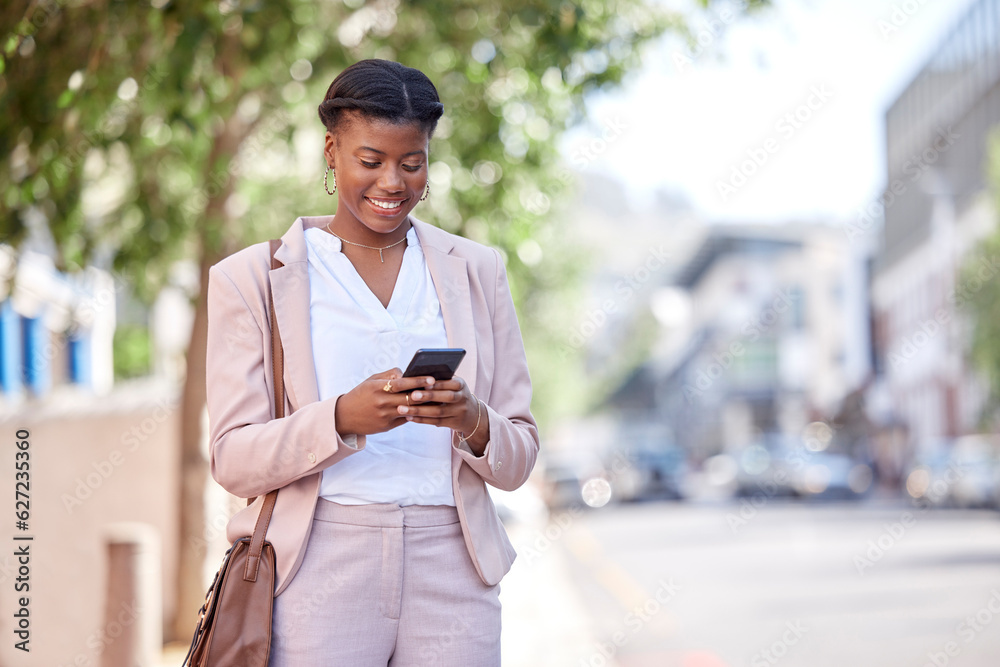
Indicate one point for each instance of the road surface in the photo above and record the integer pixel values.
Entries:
(781, 583)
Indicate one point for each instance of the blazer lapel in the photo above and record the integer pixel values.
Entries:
(290, 286)
(450, 274)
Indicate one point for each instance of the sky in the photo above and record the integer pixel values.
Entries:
(780, 118)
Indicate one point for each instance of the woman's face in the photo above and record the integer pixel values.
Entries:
(381, 170)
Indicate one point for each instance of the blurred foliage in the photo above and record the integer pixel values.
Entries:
(133, 351)
(979, 293)
(135, 135)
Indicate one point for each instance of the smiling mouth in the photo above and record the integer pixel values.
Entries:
(386, 205)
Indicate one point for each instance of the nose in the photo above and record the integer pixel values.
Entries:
(391, 180)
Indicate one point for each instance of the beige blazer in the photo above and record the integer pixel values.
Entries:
(252, 453)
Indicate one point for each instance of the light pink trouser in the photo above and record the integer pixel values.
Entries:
(386, 585)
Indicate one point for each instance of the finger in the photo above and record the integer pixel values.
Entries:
(435, 411)
(435, 396)
(433, 421)
(401, 384)
(385, 375)
(454, 384)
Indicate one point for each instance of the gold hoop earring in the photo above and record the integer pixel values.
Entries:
(427, 191)
(326, 177)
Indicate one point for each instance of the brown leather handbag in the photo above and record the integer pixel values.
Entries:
(234, 624)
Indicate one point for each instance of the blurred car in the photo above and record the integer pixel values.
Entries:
(564, 478)
(964, 474)
(767, 466)
(761, 469)
(781, 466)
(650, 473)
(831, 475)
(562, 487)
(976, 459)
(927, 480)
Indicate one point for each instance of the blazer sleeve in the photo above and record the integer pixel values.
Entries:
(250, 451)
(512, 449)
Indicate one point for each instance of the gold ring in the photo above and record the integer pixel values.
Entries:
(407, 399)
(388, 386)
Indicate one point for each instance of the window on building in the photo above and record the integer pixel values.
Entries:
(758, 365)
(36, 355)
(79, 358)
(11, 376)
(797, 317)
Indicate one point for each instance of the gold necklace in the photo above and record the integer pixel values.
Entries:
(362, 245)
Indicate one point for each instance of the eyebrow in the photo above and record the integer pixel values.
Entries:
(375, 150)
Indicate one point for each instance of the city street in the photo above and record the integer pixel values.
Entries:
(880, 584)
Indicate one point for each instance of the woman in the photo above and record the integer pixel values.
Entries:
(389, 550)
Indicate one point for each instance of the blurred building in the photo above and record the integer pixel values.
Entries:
(103, 454)
(936, 208)
(763, 329)
(55, 330)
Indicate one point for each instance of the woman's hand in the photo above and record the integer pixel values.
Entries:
(369, 408)
(458, 410)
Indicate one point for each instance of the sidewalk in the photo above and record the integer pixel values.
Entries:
(544, 619)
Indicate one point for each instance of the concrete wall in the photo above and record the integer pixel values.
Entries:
(94, 462)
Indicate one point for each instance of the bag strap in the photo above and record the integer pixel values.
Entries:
(278, 373)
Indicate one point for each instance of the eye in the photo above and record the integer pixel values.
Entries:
(370, 165)
(412, 167)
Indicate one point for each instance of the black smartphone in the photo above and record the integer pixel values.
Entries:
(440, 363)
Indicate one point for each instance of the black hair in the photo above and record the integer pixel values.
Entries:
(383, 89)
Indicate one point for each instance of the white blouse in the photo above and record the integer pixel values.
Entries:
(354, 337)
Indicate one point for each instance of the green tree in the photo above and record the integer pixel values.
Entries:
(980, 295)
(137, 135)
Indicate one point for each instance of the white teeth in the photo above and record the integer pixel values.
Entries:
(386, 204)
